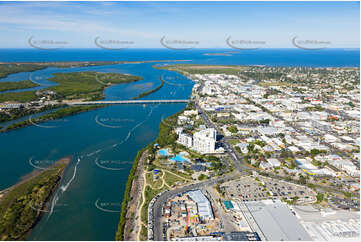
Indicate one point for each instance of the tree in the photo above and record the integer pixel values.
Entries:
(310, 185)
(347, 194)
(202, 177)
(233, 129)
(265, 121)
(293, 164)
(294, 200)
(319, 197)
(302, 180)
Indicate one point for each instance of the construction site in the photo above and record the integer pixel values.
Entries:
(190, 215)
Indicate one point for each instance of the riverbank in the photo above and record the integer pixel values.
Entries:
(14, 114)
(60, 113)
(150, 91)
(127, 216)
(127, 198)
(88, 86)
(7, 68)
(131, 228)
(22, 205)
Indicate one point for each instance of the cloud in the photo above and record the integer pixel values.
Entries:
(62, 21)
(147, 22)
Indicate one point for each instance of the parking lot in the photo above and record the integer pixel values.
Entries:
(345, 204)
(251, 188)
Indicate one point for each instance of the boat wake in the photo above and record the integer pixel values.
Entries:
(136, 126)
(53, 203)
(62, 189)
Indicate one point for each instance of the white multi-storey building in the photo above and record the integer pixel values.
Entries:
(185, 139)
(204, 141)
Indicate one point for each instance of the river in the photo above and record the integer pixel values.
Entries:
(104, 142)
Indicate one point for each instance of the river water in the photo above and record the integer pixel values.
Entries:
(104, 142)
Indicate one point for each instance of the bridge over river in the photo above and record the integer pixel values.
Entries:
(129, 102)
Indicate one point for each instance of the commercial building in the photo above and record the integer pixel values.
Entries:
(328, 224)
(203, 205)
(276, 221)
(274, 162)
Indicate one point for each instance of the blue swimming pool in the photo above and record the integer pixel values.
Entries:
(163, 152)
(179, 158)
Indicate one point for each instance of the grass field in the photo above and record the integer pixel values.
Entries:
(149, 195)
(233, 141)
(143, 233)
(171, 179)
(154, 183)
(204, 69)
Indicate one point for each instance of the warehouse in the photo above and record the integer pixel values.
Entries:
(276, 221)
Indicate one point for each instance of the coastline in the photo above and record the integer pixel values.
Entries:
(63, 64)
(126, 197)
(49, 178)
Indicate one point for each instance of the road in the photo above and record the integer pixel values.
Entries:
(296, 126)
(129, 102)
(159, 203)
(234, 156)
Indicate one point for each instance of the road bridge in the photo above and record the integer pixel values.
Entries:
(129, 102)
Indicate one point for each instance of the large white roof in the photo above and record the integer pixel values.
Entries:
(276, 221)
(203, 205)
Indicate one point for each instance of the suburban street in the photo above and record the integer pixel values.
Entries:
(234, 156)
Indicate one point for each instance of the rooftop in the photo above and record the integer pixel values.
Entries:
(276, 221)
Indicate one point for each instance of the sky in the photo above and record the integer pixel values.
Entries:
(192, 24)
